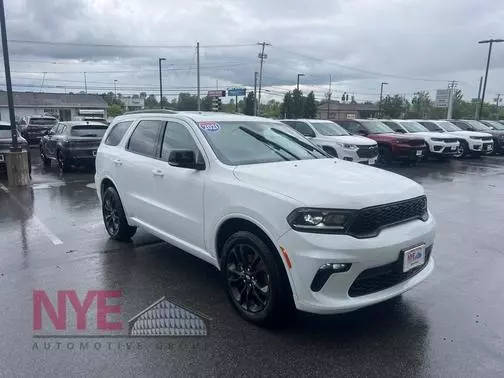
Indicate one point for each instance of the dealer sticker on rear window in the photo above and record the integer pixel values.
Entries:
(209, 126)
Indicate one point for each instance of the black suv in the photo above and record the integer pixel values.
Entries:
(33, 127)
(72, 143)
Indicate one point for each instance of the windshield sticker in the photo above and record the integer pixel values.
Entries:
(209, 126)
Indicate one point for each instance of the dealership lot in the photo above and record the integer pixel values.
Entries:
(53, 238)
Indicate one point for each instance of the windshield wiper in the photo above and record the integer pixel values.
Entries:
(269, 143)
(308, 147)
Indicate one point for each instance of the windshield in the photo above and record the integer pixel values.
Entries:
(252, 142)
(495, 125)
(477, 125)
(376, 127)
(329, 128)
(448, 126)
(88, 131)
(42, 121)
(413, 127)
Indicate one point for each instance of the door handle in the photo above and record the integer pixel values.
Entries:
(117, 162)
(158, 172)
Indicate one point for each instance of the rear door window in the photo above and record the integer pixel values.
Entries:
(117, 133)
(145, 137)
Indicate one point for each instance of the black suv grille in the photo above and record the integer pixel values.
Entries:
(367, 151)
(416, 142)
(385, 276)
(369, 221)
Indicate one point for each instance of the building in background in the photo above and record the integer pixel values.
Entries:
(133, 103)
(339, 111)
(65, 107)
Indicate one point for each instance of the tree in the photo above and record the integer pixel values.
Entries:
(249, 104)
(186, 101)
(421, 105)
(206, 104)
(115, 110)
(297, 103)
(286, 108)
(151, 102)
(310, 106)
(271, 109)
(394, 107)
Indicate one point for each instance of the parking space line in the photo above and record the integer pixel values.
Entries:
(41, 226)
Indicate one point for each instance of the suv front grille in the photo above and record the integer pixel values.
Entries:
(416, 142)
(369, 221)
(367, 151)
(385, 276)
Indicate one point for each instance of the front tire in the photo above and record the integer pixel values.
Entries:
(113, 216)
(385, 155)
(255, 283)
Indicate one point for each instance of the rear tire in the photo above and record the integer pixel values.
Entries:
(255, 282)
(113, 216)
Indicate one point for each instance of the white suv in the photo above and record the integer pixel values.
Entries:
(286, 224)
(471, 142)
(335, 140)
(440, 146)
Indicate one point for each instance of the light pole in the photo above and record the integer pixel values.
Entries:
(490, 43)
(160, 84)
(298, 76)
(381, 97)
(115, 88)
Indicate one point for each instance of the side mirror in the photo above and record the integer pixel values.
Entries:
(185, 159)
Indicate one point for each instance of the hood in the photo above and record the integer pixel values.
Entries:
(330, 183)
(470, 133)
(431, 134)
(348, 139)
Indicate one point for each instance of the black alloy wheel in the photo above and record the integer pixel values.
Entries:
(256, 280)
(114, 217)
(248, 278)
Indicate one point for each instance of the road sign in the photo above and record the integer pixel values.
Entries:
(216, 93)
(442, 98)
(236, 92)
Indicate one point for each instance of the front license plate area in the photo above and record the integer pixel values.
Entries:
(454, 148)
(94, 153)
(413, 257)
(419, 153)
(2, 157)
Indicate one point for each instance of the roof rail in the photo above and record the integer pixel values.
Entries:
(165, 111)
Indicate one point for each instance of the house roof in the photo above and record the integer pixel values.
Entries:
(54, 100)
(335, 106)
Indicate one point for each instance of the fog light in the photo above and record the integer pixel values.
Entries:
(325, 271)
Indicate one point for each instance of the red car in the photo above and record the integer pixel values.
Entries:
(391, 145)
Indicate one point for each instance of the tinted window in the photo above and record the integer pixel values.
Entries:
(394, 126)
(351, 126)
(302, 128)
(413, 127)
(329, 129)
(43, 121)
(431, 126)
(176, 137)
(89, 131)
(116, 134)
(462, 125)
(144, 138)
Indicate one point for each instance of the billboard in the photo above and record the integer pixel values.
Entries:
(442, 98)
(236, 92)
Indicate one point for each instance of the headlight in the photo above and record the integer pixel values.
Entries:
(319, 220)
(350, 147)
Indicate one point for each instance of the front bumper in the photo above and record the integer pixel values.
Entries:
(356, 156)
(308, 252)
(410, 153)
(80, 155)
(443, 149)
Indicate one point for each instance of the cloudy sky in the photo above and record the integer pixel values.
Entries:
(411, 44)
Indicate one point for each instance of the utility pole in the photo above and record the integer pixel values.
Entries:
(43, 79)
(115, 88)
(85, 83)
(476, 112)
(262, 56)
(17, 160)
(451, 86)
(255, 93)
(160, 84)
(329, 93)
(298, 75)
(381, 98)
(198, 75)
(490, 43)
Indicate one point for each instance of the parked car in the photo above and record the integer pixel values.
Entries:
(471, 142)
(438, 146)
(71, 143)
(285, 224)
(496, 127)
(335, 140)
(5, 143)
(473, 125)
(33, 127)
(391, 146)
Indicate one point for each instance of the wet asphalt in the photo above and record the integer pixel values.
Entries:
(52, 238)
